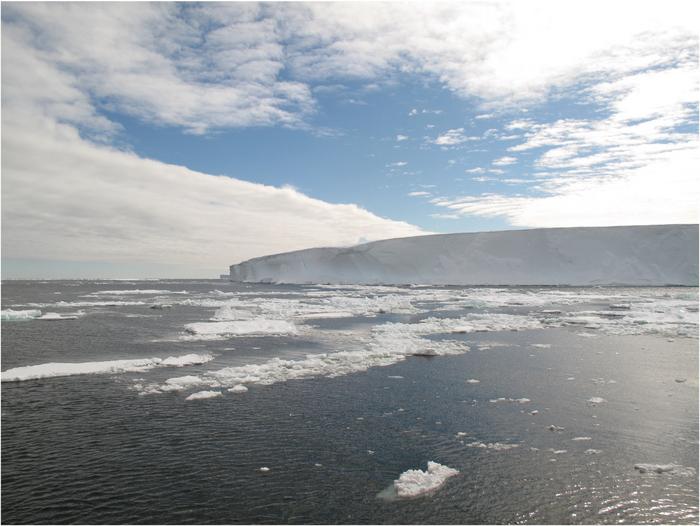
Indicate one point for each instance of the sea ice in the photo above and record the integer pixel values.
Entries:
(415, 482)
(473, 381)
(238, 389)
(19, 315)
(51, 370)
(596, 400)
(496, 446)
(203, 395)
(222, 329)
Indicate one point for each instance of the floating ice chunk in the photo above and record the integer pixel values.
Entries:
(135, 292)
(596, 400)
(496, 446)
(534, 412)
(187, 359)
(54, 316)
(461, 434)
(51, 370)
(579, 439)
(681, 380)
(473, 381)
(591, 451)
(620, 306)
(665, 468)
(515, 400)
(415, 482)
(182, 382)
(161, 306)
(541, 345)
(557, 451)
(209, 330)
(19, 315)
(557, 429)
(264, 469)
(203, 395)
(395, 377)
(79, 304)
(238, 389)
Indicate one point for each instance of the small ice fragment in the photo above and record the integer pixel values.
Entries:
(370, 452)
(318, 465)
(592, 451)
(558, 429)
(473, 381)
(264, 469)
(461, 434)
(579, 439)
(571, 378)
(239, 388)
(400, 410)
(395, 377)
(203, 395)
(595, 400)
(541, 345)
(681, 380)
(534, 412)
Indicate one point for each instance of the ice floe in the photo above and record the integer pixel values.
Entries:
(223, 329)
(495, 446)
(596, 400)
(387, 344)
(20, 315)
(238, 389)
(203, 395)
(416, 482)
(51, 370)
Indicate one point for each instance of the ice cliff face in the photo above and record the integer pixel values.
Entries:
(628, 255)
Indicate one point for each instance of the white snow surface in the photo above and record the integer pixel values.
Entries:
(626, 255)
(415, 482)
(55, 369)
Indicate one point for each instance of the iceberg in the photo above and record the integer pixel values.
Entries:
(655, 255)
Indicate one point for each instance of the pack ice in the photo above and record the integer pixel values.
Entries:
(654, 255)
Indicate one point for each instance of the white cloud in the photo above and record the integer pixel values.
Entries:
(66, 199)
(453, 137)
(397, 164)
(400, 138)
(418, 194)
(504, 161)
(477, 170)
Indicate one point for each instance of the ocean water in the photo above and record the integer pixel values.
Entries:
(555, 405)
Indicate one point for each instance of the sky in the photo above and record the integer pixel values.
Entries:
(175, 139)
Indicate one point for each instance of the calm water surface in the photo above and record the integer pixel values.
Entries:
(584, 383)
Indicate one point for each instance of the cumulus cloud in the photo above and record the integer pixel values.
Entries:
(418, 194)
(453, 137)
(400, 138)
(504, 161)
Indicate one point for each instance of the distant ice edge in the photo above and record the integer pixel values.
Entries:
(657, 255)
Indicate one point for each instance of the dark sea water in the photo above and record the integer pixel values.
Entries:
(348, 388)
